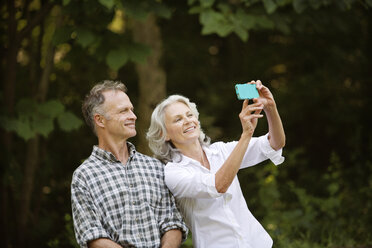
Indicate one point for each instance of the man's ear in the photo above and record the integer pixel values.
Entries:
(99, 120)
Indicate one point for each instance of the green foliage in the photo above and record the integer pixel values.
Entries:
(85, 37)
(136, 52)
(67, 238)
(241, 17)
(117, 58)
(37, 118)
(107, 3)
(139, 9)
(297, 218)
(315, 56)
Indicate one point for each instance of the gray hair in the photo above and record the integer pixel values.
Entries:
(156, 135)
(93, 102)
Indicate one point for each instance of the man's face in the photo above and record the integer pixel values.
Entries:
(121, 121)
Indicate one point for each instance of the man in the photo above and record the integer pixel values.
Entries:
(119, 198)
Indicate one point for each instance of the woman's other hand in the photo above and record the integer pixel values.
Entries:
(249, 116)
(266, 97)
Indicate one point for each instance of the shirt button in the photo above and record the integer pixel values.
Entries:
(131, 185)
(134, 203)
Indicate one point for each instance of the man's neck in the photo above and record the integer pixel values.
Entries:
(118, 149)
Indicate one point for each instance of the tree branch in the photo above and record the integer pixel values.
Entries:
(35, 21)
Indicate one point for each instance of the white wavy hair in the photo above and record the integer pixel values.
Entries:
(156, 135)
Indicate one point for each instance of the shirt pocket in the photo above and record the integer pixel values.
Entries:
(156, 192)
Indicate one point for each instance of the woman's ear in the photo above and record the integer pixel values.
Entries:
(167, 137)
(99, 120)
(161, 134)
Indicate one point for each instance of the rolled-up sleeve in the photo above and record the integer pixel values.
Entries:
(259, 149)
(87, 225)
(191, 184)
(265, 147)
(171, 218)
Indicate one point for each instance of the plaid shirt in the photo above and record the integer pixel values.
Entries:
(129, 204)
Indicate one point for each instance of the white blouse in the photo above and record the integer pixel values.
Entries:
(219, 220)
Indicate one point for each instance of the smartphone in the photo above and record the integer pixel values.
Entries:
(246, 91)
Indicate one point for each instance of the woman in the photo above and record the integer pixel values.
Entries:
(203, 178)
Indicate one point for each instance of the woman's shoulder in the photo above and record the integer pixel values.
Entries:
(219, 145)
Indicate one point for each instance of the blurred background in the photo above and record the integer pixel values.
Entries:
(314, 55)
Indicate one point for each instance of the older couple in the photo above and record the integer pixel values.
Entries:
(120, 197)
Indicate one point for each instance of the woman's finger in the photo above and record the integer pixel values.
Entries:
(254, 116)
(245, 104)
(259, 84)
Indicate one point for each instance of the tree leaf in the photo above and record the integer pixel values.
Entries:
(242, 33)
(264, 22)
(67, 121)
(283, 2)
(43, 125)
(160, 9)
(65, 2)
(62, 35)
(195, 10)
(138, 52)
(115, 59)
(270, 6)
(107, 3)
(245, 20)
(206, 3)
(215, 22)
(85, 37)
(22, 128)
(51, 108)
(299, 5)
(26, 107)
(135, 10)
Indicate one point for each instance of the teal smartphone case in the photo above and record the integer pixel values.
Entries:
(246, 91)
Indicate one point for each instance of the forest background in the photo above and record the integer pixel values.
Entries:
(314, 55)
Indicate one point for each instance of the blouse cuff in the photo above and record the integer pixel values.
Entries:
(275, 156)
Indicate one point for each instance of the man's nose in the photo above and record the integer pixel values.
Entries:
(133, 115)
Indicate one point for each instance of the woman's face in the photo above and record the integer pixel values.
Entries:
(181, 124)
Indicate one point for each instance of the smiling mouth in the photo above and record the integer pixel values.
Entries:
(189, 129)
(130, 125)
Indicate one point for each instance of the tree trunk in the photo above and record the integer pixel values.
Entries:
(9, 79)
(32, 158)
(27, 187)
(152, 78)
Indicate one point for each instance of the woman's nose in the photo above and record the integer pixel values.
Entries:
(188, 119)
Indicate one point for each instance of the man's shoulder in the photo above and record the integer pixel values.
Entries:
(148, 162)
(144, 157)
(89, 164)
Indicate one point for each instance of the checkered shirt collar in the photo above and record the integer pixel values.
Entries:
(106, 155)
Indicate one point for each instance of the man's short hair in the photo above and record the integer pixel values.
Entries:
(93, 101)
